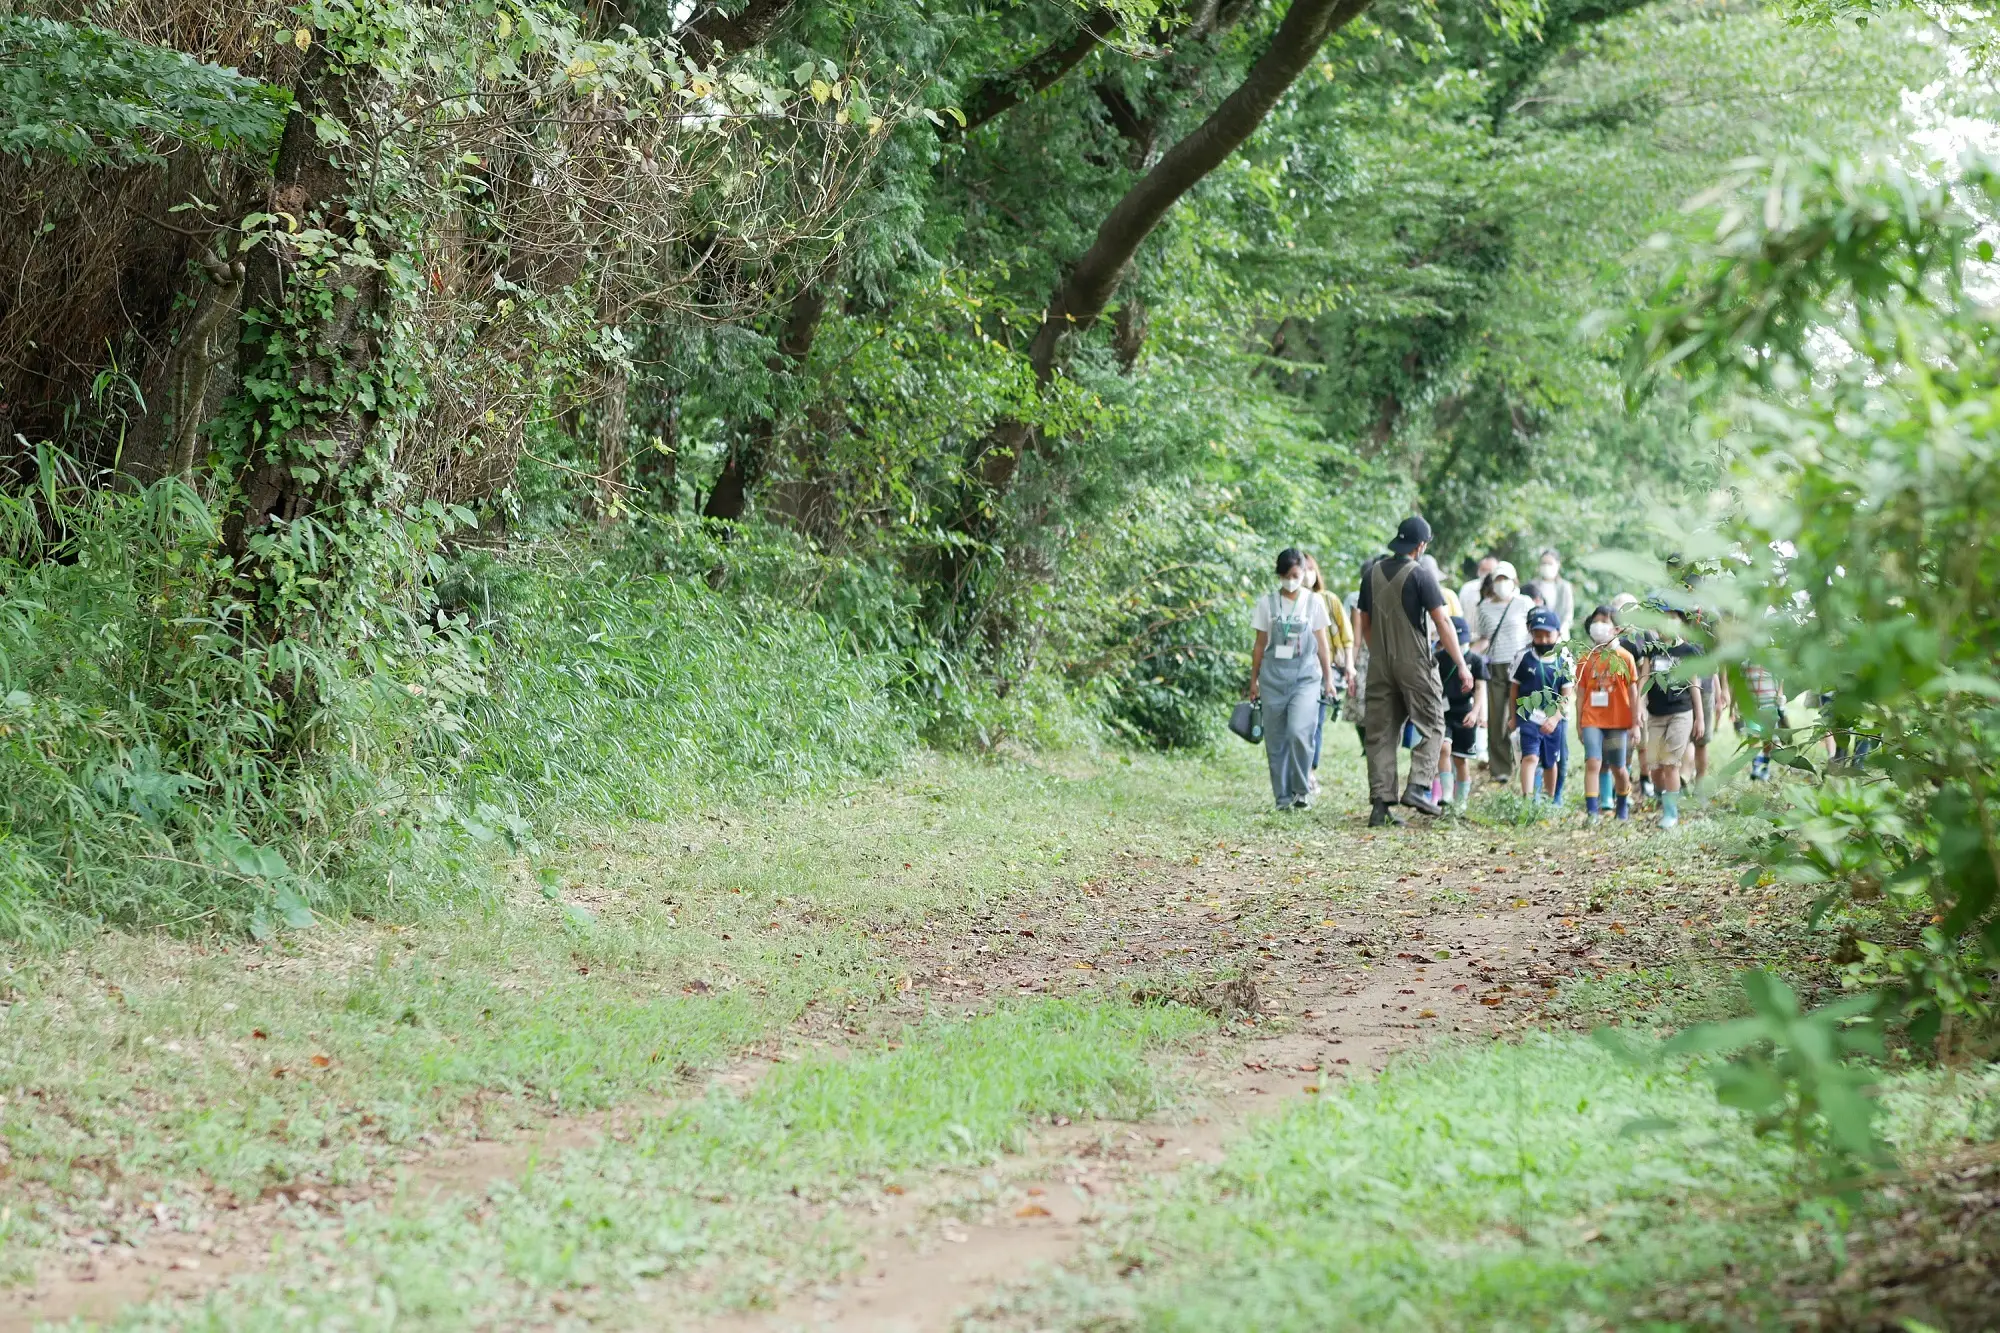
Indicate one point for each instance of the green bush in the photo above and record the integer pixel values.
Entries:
(164, 765)
(1860, 405)
(628, 694)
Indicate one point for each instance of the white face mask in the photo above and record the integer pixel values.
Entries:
(1292, 584)
(1502, 589)
(1602, 631)
(1550, 569)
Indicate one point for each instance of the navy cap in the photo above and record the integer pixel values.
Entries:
(1410, 534)
(1543, 618)
(1464, 630)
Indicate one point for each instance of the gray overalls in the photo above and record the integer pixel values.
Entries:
(1290, 686)
(1403, 685)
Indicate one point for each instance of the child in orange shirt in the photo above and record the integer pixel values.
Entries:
(1607, 694)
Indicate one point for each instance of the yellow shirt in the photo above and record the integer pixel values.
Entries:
(1340, 634)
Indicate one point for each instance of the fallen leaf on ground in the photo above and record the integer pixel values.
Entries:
(1031, 1210)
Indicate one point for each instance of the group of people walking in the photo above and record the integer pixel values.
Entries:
(1447, 674)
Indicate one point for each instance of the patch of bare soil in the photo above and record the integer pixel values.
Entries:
(187, 1248)
(1319, 984)
(1325, 960)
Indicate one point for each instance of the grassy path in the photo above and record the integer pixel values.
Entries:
(871, 1060)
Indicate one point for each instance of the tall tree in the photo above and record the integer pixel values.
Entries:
(1087, 289)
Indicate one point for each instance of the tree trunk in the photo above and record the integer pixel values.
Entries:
(166, 441)
(1084, 294)
(749, 454)
(611, 444)
(286, 468)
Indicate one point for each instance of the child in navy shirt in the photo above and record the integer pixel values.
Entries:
(1539, 690)
(1464, 715)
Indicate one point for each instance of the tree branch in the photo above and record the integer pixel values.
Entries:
(711, 32)
(1002, 93)
(1088, 289)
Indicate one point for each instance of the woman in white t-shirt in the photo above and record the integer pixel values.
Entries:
(1291, 662)
(1500, 630)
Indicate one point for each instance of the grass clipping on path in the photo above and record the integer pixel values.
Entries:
(1489, 1186)
(713, 1188)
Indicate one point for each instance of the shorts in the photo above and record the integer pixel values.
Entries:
(1667, 738)
(1711, 709)
(1546, 747)
(1606, 744)
(1464, 740)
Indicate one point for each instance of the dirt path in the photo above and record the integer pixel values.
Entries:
(1473, 948)
(1347, 960)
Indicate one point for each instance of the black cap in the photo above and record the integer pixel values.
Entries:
(1412, 533)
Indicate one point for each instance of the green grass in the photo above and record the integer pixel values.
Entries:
(1487, 1187)
(658, 952)
(1482, 1188)
(712, 1191)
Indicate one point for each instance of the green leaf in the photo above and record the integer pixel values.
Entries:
(91, 97)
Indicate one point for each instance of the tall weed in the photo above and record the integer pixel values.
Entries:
(162, 764)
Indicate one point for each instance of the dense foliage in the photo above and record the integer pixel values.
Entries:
(422, 419)
(1836, 315)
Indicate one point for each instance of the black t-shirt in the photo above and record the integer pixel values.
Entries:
(1667, 693)
(1457, 706)
(1421, 594)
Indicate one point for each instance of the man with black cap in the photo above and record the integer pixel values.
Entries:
(1400, 603)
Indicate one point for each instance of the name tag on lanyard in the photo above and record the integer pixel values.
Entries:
(1285, 633)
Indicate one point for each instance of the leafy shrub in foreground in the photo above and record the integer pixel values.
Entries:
(162, 765)
(1863, 546)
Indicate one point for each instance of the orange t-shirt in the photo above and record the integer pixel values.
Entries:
(1604, 688)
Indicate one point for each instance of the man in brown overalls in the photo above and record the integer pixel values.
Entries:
(1400, 602)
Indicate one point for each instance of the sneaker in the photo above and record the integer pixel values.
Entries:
(1669, 821)
(1421, 802)
(1302, 803)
